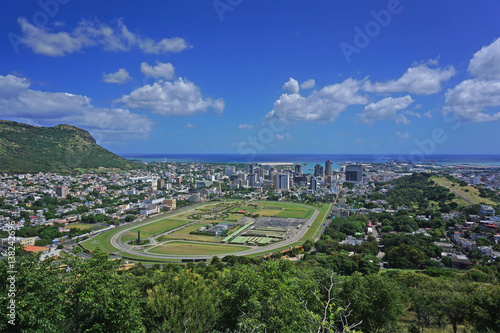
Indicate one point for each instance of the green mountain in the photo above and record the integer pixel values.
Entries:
(62, 148)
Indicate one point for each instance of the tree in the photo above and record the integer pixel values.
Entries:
(185, 303)
(100, 300)
(375, 299)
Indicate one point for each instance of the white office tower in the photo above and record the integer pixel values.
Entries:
(281, 181)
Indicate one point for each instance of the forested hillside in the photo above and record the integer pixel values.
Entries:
(246, 295)
(62, 148)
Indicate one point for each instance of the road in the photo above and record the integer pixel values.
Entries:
(253, 250)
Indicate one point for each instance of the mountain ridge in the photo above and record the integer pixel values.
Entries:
(61, 148)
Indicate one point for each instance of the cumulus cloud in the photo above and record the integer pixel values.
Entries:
(308, 84)
(402, 135)
(470, 100)
(324, 105)
(386, 109)
(161, 70)
(119, 77)
(473, 99)
(428, 114)
(245, 126)
(421, 80)
(178, 98)
(291, 87)
(11, 86)
(18, 102)
(115, 38)
(486, 62)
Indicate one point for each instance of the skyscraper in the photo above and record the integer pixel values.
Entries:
(328, 168)
(298, 169)
(281, 181)
(314, 184)
(319, 170)
(354, 173)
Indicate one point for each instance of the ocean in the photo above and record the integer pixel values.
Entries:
(309, 160)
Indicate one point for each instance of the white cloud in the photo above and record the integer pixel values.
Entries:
(420, 79)
(428, 114)
(245, 126)
(18, 102)
(486, 62)
(415, 114)
(386, 109)
(282, 137)
(161, 70)
(11, 85)
(189, 125)
(178, 98)
(324, 105)
(308, 84)
(291, 87)
(93, 33)
(473, 99)
(470, 100)
(402, 135)
(120, 76)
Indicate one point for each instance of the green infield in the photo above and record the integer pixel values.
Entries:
(152, 229)
(184, 234)
(101, 242)
(188, 248)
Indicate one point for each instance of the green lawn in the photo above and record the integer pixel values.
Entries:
(152, 229)
(299, 213)
(315, 227)
(472, 194)
(100, 241)
(184, 234)
(185, 248)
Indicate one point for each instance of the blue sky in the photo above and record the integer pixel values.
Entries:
(241, 76)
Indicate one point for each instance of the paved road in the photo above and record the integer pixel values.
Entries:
(253, 250)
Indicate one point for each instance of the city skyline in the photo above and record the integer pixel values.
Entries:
(258, 77)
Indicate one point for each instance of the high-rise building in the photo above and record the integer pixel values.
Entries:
(318, 170)
(252, 179)
(328, 168)
(62, 191)
(314, 184)
(229, 170)
(298, 169)
(354, 173)
(281, 181)
(160, 184)
(250, 168)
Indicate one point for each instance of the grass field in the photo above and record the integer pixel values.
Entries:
(304, 213)
(315, 227)
(232, 217)
(100, 241)
(184, 234)
(472, 195)
(185, 248)
(83, 226)
(152, 229)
